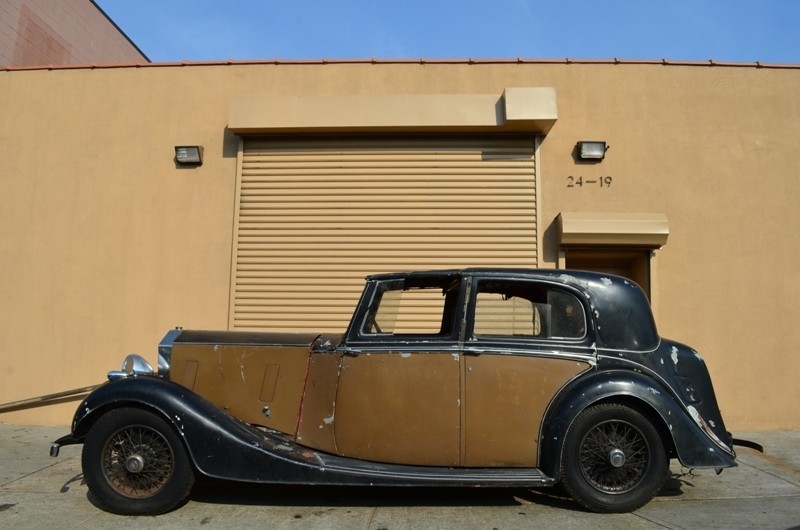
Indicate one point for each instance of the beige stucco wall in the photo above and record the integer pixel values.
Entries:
(105, 244)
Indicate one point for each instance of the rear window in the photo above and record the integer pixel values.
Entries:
(527, 310)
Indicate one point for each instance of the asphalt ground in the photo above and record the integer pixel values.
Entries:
(37, 491)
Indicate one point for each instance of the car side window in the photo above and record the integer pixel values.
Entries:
(527, 310)
(400, 310)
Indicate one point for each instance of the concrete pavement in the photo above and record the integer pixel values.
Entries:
(37, 491)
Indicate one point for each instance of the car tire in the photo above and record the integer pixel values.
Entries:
(135, 464)
(613, 459)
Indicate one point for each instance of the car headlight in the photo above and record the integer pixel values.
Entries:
(132, 365)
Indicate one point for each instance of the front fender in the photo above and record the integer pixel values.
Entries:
(694, 447)
(218, 444)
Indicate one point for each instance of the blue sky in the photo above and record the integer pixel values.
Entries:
(679, 30)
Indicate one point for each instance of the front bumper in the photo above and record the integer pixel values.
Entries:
(69, 439)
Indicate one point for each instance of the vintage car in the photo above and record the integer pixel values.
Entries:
(475, 377)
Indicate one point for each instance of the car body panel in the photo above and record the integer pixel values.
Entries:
(246, 379)
(400, 408)
(504, 411)
(315, 428)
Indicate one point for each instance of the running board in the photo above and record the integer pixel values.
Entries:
(441, 476)
(307, 466)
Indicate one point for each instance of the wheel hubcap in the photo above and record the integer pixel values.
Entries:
(134, 463)
(616, 458)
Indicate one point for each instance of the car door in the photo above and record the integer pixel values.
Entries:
(398, 397)
(527, 340)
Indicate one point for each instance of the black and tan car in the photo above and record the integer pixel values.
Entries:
(475, 377)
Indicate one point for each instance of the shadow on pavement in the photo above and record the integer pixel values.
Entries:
(215, 491)
(223, 492)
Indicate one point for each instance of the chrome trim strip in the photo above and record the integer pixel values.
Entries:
(551, 354)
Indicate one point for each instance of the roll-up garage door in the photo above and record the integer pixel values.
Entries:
(314, 216)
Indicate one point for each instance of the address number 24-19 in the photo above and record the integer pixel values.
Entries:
(579, 182)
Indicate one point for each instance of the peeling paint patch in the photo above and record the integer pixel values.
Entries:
(606, 281)
(653, 391)
(456, 356)
(674, 355)
(405, 355)
(329, 419)
(711, 422)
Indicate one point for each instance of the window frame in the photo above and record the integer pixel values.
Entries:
(372, 295)
(474, 338)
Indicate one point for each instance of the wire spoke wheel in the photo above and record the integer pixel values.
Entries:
(614, 457)
(137, 462)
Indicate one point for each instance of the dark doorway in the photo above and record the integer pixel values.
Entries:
(631, 264)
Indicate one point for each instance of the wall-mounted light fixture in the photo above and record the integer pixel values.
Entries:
(189, 155)
(592, 150)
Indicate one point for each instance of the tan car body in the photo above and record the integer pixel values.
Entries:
(426, 408)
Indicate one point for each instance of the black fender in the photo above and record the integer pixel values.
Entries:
(218, 444)
(693, 447)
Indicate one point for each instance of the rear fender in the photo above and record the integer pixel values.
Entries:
(692, 446)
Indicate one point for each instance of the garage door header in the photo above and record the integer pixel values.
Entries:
(517, 109)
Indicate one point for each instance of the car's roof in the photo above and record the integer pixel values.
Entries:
(563, 275)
